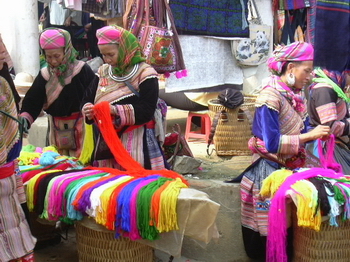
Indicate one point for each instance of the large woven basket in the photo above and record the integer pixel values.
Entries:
(330, 244)
(232, 134)
(97, 244)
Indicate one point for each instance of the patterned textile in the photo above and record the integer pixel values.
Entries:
(290, 4)
(63, 74)
(108, 35)
(52, 39)
(113, 91)
(326, 108)
(310, 23)
(133, 138)
(9, 134)
(296, 51)
(333, 27)
(8, 59)
(277, 122)
(293, 97)
(290, 122)
(15, 237)
(254, 208)
(211, 17)
(129, 49)
(335, 79)
(70, 122)
(217, 67)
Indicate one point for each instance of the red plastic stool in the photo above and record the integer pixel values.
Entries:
(205, 126)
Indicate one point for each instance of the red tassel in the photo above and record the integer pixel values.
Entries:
(166, 74)
(133, 168)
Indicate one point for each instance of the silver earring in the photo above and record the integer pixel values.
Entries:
(291, 79)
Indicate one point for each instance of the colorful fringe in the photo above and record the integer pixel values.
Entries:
(136, 203)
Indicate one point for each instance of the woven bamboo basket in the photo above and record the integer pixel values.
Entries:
(97, 244)
(232, 134)
(330, 244)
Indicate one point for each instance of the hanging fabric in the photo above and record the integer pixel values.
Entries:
(254, 50)
(155, 29)
(225, 18)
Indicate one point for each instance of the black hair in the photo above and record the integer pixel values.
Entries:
(284, 67)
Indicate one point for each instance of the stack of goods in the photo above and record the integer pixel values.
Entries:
(36, 158)
(136, 205)
(322, 200)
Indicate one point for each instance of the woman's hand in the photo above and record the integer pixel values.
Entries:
(88, 111)
(319, 131)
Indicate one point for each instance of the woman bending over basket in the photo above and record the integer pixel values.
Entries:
(279, 130)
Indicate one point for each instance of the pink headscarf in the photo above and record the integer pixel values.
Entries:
(52, 39)
(296, 51)
(108, 35)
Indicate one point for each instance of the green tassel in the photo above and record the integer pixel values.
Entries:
(144, 200)
(338, 195)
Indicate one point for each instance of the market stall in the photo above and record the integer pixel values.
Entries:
(315, 201)
(152, 209)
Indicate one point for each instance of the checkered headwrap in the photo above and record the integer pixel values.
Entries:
(52, 39)
(296, 51)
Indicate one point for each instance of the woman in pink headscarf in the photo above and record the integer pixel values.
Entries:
(130, 86)
(58, 90)
(279, 130)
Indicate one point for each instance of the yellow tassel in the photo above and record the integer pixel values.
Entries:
(308, 211)
(51, 148)
(105, 198)
(27, 158)
(88, 145)
(272, 183)
(167, 219)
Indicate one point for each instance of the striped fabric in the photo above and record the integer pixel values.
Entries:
(332, 111)
(332, 37)
(8, 59)
(296, 51)
(15, 237)
(291, 4)
(327, 112)
(113, 91)
(9, 134)
(310, 22)
(52, 39)
(108, 35)
(252, 204)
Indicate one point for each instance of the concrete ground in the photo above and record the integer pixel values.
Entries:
(214, 170)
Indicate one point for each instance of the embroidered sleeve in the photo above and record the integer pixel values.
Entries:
(266, 127)
(327, 109)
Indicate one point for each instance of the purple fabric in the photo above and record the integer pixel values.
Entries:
(84, 201)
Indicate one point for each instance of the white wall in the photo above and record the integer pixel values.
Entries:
(20, 33)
